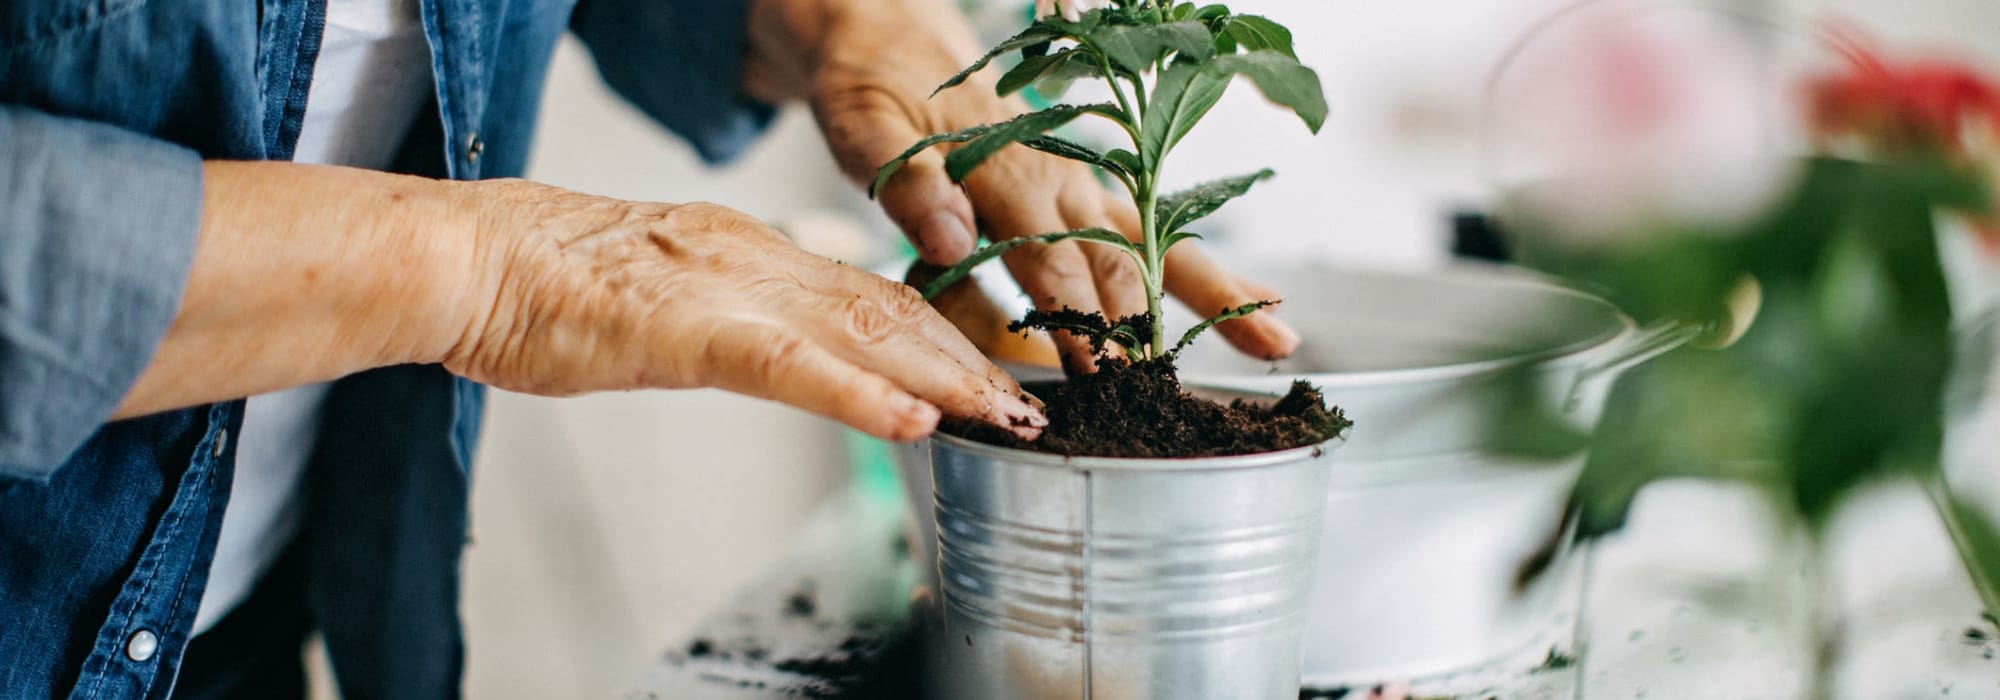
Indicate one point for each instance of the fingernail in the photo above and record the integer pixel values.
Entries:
(915, 409)
(1034, 401)
(946, 239)
(1014, 414)
(1017, 411)
(1284, 340)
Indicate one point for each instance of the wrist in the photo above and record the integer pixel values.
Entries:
(462, 244)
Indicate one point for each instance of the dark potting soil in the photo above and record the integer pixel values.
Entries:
(1139, 410)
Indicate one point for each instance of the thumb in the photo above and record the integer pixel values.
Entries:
(865, 130)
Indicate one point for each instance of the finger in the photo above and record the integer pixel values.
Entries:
(931, 372)
(1056, 276)
(868, 128)
(771, 363)
(888, 328)
(1019, 197)
(1259, 290)
(931, 211)
(982, 321)
(1120, 288)
(1208, 289)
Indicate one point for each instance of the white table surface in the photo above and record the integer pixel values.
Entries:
(1704, 595)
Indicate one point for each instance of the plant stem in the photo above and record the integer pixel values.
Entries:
(1149, 228)
(1941, 501)
(1119, 91)
(1139, 86)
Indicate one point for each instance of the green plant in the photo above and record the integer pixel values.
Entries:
(1167, 64)
(1847, 377)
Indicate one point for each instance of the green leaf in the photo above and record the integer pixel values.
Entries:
(1135, 48)
(988, 139)
(1187, 206)
(1092, 326)
(961, 161)
(1227, 314)
(1977, 539)
(964, 267)
(889, 169)
(1085, 24)
(1072, 150)
(1184, 94)
(1255, 33)
(1065, 65)
(1210, 13)
(1123, 158)
(1175, 238)
(1283, 80)
(1038, 33)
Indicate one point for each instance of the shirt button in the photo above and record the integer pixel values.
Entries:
(474, 147)
(221, 441)
(141, 646)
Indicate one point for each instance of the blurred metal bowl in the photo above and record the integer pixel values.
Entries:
(1440, 548)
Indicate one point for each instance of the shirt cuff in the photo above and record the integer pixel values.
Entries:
(97, 233)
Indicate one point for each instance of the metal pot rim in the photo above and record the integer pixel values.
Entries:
(1577, 350)
(1135, 464)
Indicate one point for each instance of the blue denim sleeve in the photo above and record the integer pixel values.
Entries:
(680, 61)
(97, 232)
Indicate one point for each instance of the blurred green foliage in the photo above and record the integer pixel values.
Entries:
(1843, 377)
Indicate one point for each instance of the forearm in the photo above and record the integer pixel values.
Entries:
(307, 273)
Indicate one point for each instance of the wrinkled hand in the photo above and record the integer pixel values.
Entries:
(872, 91)
(592, 294)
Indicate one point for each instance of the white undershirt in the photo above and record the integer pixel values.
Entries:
(372, 78)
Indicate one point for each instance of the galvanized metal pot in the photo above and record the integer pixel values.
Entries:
(1076, 577)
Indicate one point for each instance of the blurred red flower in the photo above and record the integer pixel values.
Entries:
(1913, 107)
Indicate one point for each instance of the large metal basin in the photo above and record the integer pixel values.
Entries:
(1440, 551)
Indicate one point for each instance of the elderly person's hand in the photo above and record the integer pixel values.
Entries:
(537, 289)
(869, 69)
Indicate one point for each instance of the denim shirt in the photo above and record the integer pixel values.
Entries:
(107, 108)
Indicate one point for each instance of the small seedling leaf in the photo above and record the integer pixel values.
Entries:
(1091, 326)
(1227, 314)
(1283, 80)
(1124, 158)
(979, 257)
(1176, 237)
(1135, 48)
(889, 169)
(1210, 13)
(1254, 33)
(1188, 206)
(1062, 66)
(1184, 94)
(1057, 146)
(962, 160)
(1039, 33)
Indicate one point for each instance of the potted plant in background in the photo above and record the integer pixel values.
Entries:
(1151, 543)
(1862, 353)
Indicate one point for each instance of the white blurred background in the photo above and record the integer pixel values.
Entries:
(607, 526)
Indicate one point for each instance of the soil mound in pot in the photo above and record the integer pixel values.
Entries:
(1139, 410)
